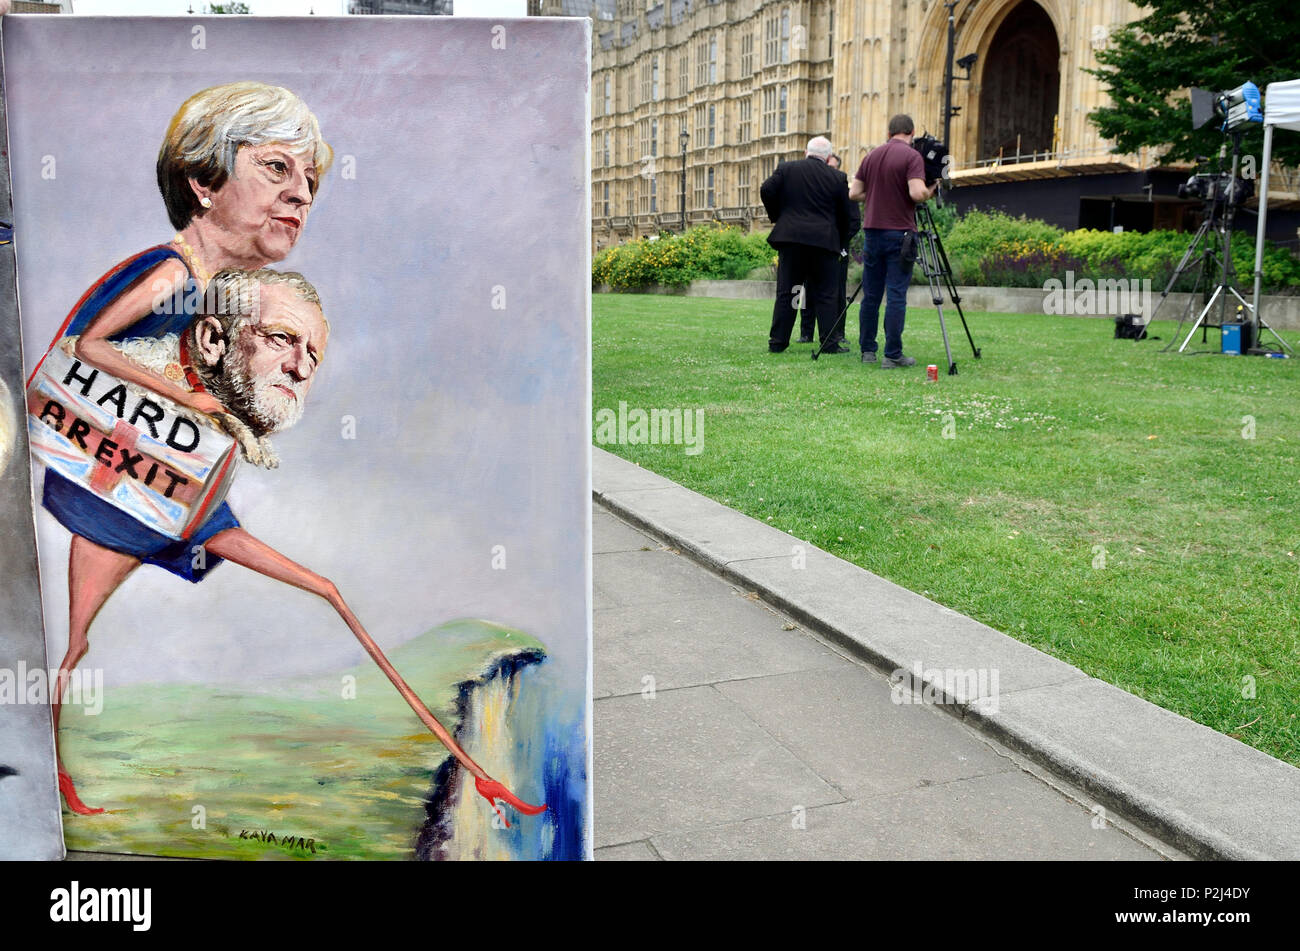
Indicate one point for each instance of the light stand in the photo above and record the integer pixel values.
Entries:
(1222, 227)
(966, 62)
(684, 137)
(1236, 107)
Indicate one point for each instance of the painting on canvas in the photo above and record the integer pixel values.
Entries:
(307, 352)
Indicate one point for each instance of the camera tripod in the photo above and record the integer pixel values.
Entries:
(1216, 256)
(938, 274)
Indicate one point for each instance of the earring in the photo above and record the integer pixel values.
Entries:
(205, 201)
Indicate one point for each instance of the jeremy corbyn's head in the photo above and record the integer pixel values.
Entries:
(257, 344)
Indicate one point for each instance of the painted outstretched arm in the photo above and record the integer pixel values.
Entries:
(94, 348)
(133, 304)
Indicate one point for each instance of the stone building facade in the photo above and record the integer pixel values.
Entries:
(400, 7)
(750, 81)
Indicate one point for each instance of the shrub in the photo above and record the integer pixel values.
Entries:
(705, 251)
(983, 248)
(1156, 254)
(663, 259)
(1028, 263)
(1281, 268)
(994, 248)
(978, 233)
(945, 219)
(728, 253)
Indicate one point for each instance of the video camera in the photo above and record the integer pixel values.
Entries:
(1208, 186)
(935, 155)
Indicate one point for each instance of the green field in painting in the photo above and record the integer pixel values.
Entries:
(293, 758)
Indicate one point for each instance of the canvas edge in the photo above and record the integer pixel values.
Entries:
(10, 310)
(589, 835)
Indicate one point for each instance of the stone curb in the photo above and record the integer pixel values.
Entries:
(1205, 793)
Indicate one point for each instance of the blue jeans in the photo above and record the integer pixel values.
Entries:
(884, 275)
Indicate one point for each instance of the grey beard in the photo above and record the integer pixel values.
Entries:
(236, 393)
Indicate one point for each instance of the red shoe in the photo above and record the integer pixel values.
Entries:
(69, 792)
(491, 790)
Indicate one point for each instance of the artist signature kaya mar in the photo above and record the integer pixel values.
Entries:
(285, 841)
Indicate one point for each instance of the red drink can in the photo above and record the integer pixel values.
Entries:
(932, 373)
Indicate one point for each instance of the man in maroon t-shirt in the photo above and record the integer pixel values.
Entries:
(891, 181)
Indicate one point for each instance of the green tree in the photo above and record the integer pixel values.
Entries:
(1150, 64)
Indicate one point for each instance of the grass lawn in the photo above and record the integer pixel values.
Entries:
(1096, 498)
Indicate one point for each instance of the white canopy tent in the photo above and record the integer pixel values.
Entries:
(1281, 111)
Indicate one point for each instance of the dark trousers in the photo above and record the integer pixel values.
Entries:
(816, 271)
(807, 317)
(884, 275)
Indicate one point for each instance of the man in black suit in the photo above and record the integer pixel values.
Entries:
(808, 203)
(855, 225)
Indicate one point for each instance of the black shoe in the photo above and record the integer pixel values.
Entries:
(805, 340)
(835, 347)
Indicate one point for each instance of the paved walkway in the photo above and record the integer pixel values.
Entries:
(723, 730)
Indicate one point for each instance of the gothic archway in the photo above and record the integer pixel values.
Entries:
(1020, 84)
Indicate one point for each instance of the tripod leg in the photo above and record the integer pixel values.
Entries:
(839, 322)
(956, 302)
(1260, 326)
(1207, 256)
(1260, 335)
(945, 268)
(947, 349)
(1182, 266)
(1223, 316)
(1200, 319)
(930, 266)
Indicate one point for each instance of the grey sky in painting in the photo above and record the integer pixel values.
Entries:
(472, 424)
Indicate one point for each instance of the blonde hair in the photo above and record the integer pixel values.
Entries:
(208, 130)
